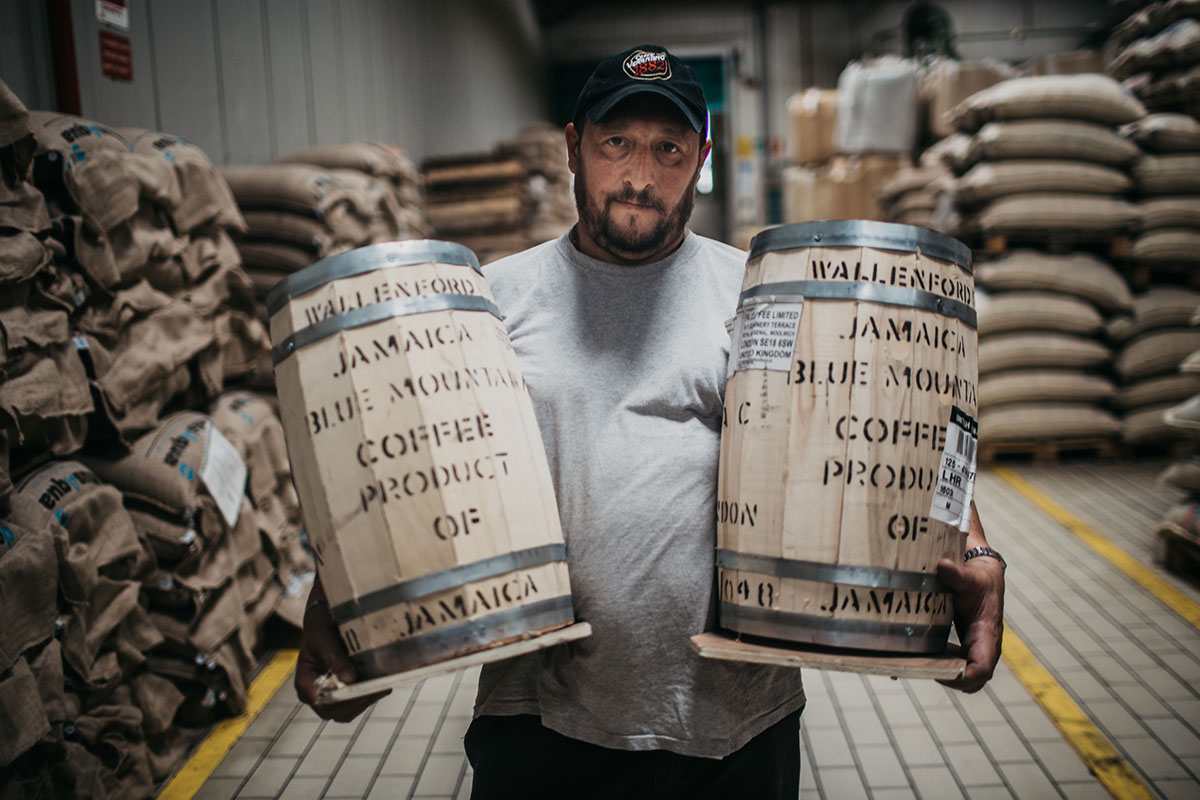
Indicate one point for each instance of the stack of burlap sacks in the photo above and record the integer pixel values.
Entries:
(1183, 520)
(505, 200)
(1154, 341)
(129, 605)
(323, 200)
(1156, 53)
(1045, 171)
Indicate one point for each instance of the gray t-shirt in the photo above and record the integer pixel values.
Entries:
(626, 367)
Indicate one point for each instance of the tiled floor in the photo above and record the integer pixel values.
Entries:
(1132, 664)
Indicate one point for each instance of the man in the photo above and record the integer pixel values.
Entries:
(619, 329)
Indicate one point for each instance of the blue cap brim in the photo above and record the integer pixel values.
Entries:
(599, 110)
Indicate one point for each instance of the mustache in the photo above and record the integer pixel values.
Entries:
(644, 198)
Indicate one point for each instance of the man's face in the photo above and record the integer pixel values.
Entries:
(635, 177)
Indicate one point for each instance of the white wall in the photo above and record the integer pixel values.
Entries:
(249, 80)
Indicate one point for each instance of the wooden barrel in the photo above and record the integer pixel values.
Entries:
(848, 447)
(416, 454)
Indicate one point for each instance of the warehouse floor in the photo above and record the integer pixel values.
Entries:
(1090, 629)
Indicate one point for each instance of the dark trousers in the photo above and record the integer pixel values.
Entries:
(519, 758)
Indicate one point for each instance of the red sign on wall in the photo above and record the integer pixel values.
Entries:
(116, 57)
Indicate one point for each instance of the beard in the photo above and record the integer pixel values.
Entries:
(626, 242)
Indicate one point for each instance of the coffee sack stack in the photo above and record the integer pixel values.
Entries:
(122, 303)
(1179, 531)
(502, 201)
(1156, 53)
(1042, 198)
(297, 213)
(1162, 270)
(845, 145)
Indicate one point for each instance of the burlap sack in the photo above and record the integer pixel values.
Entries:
(1040, 350)
(948, 153)
(1165, 133)
(1049, 138)
(205, 198)
(146, 246)
(1170, 212)
(1045, 421)
(987, 181)
(164, 466)
(1169, 174)
(1167, 246)
(1094, 98)
(307, 190)
(83, 167)
(22, 208)
(1077, 274)
(812, 122)
(298, 230)
(1037, 311)
(374, 158)
(1158, 307)
(1075, 216)
(919, 200)
(244, 348)
(179, 541)
(1147, 426)
(908, 180)
(22, 714)
(877, 106)
(1177, 45)
(22, 255)
(1168, 388)
(1169, 91)
(28, 580)
(274, 256)
(1183, 474)
(96, 531)
(1043, 386)
(1191, 363)
(143, 365)
(45, 387)
(1157, 352)
(226, 288)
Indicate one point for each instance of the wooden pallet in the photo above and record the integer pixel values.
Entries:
(729, 646)
(1048, 451)
(1115, 248)
(1180, 551)
(1176, 448)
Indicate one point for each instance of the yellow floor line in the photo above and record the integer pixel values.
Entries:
(1174, 599)
(1097, 753)
(195, 772)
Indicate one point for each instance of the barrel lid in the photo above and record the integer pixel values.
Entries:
(368, 259)
(861, 233)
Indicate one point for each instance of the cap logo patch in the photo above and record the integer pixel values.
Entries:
(645, 65)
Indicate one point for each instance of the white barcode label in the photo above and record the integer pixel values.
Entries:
(763, 335)
(956, 477)
(224, 473)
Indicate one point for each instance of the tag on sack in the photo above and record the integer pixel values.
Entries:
(224, 473)
(956, 477)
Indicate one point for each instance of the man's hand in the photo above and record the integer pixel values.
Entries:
(321, 652)
(978, 587)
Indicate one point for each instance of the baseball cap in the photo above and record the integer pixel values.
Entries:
(645, 68)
